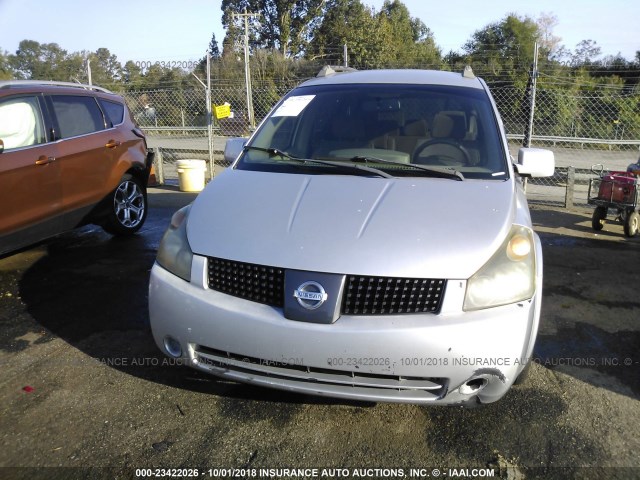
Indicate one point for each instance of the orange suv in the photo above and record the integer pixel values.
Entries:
(70, 154)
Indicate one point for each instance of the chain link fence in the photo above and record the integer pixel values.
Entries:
(175, 122)
(582, 128)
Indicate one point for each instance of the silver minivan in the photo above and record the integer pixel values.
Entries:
(370, 241)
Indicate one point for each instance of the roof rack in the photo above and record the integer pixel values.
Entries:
(333, 69)
(468, 72)
(12, 83)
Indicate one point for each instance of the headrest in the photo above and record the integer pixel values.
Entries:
(384, 127)
(416, 128)
(449, 125)
(472, 133)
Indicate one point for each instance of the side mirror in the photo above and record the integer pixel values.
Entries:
(233, 148)
(535, 162)
(1, 146)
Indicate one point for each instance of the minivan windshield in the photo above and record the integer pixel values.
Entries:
(391, 127)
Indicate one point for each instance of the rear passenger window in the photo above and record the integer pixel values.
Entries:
(76, 115)
(113, 111)
(21, 123)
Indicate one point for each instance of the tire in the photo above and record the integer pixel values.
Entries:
(631, 224)
(622, 215)
(598, 218)
(127, 207)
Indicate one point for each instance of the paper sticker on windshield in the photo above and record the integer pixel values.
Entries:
(292, 106)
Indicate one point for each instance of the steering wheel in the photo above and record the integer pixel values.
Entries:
(448, 155)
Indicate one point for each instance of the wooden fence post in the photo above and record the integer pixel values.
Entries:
(571, 181)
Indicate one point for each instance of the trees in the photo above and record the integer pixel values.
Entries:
(585, 53)
(285, 25)
(390, 37)
(35, 61)
(132, 75)
(214, 53)
(294, 38)
(333, 32)
(504, 49)
(213, 49)
(317, 29)
(105, 67)
(584, 97)
(38, 61)
(6, 71)
(48, 61)
(410, 42)
(549, 43)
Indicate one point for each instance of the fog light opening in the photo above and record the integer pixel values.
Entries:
(172, 346)
(473, 386)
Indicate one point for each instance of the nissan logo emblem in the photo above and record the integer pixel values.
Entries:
(310, 295)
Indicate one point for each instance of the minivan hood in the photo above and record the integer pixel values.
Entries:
(400, 227)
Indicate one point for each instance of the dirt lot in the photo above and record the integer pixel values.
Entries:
(82, 384)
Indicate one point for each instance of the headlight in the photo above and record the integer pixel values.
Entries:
(174, 253)
(508, 276)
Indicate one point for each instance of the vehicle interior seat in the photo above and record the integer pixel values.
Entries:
(19, 126)
(446, 144)
(414, 133)
(383, 134)
(470, 140)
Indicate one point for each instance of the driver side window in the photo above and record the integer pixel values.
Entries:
(21, 123)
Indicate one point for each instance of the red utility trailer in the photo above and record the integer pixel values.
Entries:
(617, 191)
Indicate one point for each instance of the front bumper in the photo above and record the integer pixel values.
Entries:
(448, 358)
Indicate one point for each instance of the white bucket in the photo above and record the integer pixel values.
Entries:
(191, 175)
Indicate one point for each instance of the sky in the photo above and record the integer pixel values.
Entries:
(173, 30)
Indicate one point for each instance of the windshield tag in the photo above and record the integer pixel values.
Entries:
(292, 106)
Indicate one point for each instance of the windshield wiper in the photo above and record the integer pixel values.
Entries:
(436, 172)
(274, 152)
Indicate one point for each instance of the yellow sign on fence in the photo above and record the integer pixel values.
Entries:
(222, 111)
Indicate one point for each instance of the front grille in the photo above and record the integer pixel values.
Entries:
(387, 295)
(362, 295)
(292, 372)
(258, 283)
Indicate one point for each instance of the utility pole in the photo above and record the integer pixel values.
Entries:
(247, 72)
(345, 55)
(209, 119)
(207, 91)
(531, 90)
(89, 71)
(532, 97)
